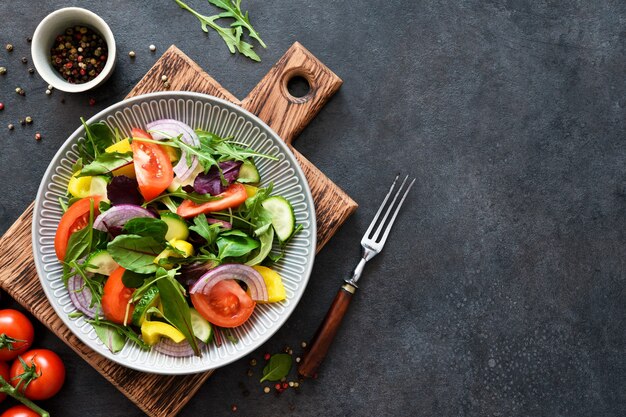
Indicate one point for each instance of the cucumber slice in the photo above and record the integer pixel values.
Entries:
(102, 263)
(176, 226)
(248, 174)
(99, 187)
(283, 218)
(201, 327)
(150, 298)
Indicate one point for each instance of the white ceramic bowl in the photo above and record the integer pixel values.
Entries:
(56, 23)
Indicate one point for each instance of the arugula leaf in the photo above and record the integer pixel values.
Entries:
(160, 274)
(77, 166)
(233, 10)
(232, 35)
(106, 163)
(132, 279)
(135, 252)
(194, 197)
(98, 137)
(147, 227)
(208, 231)
(112, 339)
(176, 310)
(277, 368)
(235, 243)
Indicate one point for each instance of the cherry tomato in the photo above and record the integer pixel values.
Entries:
(234, 195)
(115, 298)
(152, 166)
(74, 219)
(19, 411)
(48, 374)
(16, 334)
(5, 373)
(227, 305)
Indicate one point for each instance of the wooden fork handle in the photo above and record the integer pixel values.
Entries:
(319, 345)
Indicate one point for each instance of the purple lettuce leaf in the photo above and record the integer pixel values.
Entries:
(211, 183)
(124, 190)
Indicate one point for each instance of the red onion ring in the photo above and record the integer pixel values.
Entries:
(244, 273)
(117, 216)
(183, 349)
(165, 128)
(81, 296)
(224, 224)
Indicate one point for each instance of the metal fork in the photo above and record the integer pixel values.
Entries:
(372, 242)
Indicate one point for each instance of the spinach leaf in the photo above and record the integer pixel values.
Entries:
(147, 227)
(208, 231)
(98, 137)
(132, 279)
(112, 339)
(106, 163)
(135, 252)
(176, 310)
(235, 243)
(266, 246)
(277, 368)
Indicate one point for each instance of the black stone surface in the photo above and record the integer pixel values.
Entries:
(501, 291)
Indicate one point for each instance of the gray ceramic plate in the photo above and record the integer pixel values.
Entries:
(225, 119)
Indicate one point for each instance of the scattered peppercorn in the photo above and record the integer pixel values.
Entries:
(3, 70)
(1, 106)
(28, 120)
(10, 126)
(266, 390)
(298, 359)
(131, 54)
(277, 386)
(267, 356)
(166, 84)
(29, 39)
(152, 48)
(22, 122)
(31, 71)
(37, 136)
(252, 361)
(285, 385)
(79, 54)
(24, 60)
(291, 383)
(303, 344)
(233, 407)
(50, 87)
(163, 77)
(92, 101)
(48, 92)
(250, 373)
(20, 91)
(9, 47)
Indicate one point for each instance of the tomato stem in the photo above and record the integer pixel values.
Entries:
(8, 389)
(7, 342)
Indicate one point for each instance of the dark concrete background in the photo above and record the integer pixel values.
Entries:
(501, 290)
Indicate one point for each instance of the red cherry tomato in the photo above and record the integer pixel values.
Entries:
(16, 334)
(5, 373)
(48, 374)
(234, 195)
(115, 298)
(74, 219)
(19, 411)
(152, 166)
(227, 305)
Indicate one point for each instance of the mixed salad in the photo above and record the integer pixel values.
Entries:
(166, 237)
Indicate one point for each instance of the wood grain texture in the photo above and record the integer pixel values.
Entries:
(159, 395)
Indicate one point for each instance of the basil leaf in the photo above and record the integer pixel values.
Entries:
(176, 310)
(132, 279)
(147, 227)
(208, 231)
(135, 252)
(235, 243)
(109, 335)
(277, 368)
(106, 163)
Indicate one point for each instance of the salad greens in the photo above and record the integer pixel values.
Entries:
(278, 367)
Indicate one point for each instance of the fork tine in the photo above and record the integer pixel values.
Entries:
(382, 222)
(393, 218)
(380, 209)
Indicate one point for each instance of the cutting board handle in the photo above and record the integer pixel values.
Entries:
(271, 101)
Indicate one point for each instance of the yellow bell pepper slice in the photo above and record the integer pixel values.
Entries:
(153, 331)
(181, 245)
(79, 187)
(251, 190)
(273, 282)
(122, 146)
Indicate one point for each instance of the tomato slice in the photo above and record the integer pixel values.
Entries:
(115, 298)
(152, 166)
(234, 195)
(74, 219)
(227, 305)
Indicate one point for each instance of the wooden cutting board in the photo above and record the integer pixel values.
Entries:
(159, 395)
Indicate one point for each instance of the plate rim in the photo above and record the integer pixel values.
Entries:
(62, 150)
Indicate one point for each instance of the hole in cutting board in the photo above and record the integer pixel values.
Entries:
(298, 86)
